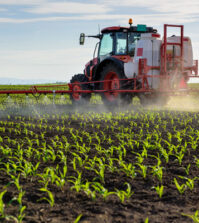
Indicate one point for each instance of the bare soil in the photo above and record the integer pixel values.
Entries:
(69, 204)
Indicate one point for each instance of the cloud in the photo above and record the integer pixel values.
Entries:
(3, 10)
(69, 7)
(177, 6)
(21, 2)
(150, 19)
(169, 11)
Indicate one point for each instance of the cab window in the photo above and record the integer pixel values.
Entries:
(106, 46)
(132, 41)
(121, 43)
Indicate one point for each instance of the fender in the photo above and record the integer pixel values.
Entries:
(102, 64)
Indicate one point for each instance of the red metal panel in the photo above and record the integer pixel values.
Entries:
(113, 28)
(139, 52)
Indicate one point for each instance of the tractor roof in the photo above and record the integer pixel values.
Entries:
(138, 28)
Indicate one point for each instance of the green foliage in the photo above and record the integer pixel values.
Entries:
(194, 217)
(85, 153)
(159, 190)
(78, 218)
(2, 214)
(50, 198)
(181, 188)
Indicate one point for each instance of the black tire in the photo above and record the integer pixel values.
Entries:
(79, 98)
(114, 74)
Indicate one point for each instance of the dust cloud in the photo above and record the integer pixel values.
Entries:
(183, 103)
(37, 110)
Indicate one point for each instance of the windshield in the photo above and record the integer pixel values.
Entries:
(118, 43)
(121, 43)
(106, 45)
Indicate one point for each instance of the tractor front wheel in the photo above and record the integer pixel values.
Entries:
(78, 84)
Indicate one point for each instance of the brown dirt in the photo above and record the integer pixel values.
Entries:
(69, 203)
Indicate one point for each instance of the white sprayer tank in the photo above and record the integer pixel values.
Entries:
(188, 53)
(147, 47)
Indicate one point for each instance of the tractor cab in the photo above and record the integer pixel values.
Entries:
(116, 41)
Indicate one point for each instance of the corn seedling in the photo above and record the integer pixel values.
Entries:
(76, 181)
(194, 217)
(143, 170)
(2, 214)
(159, 190)
(158, 171)
(50, 198)
(78, 218)
(189, 182)
(181, 188)
(187, 169)
(124, 194)
(101, 190)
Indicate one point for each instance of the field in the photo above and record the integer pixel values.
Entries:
(60, 164)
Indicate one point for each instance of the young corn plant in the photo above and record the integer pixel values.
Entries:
(189, 182)
(2, 213)
(22, 208)
(164, 154)
(128, 169)
(143, 170)
(78, 218)
(181, 188)
(180, 156)
(158, 171)
(102, 190)
(187, 169)
(76, 181)
(159, 190)
(112, 168)
(100, 171)
(124, 194)
(50, 198)
(16, 181)
(90, 193)
(196, 161)
(194, 217)
(49, 175)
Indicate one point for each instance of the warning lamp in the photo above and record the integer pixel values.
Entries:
(130, 21)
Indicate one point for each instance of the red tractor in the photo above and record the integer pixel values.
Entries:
(130, 61)
(134, 61)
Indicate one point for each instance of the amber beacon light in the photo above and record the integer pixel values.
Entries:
(130, 21)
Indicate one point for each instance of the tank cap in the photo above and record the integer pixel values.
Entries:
(141, 28)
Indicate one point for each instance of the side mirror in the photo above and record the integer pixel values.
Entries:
(82, 39)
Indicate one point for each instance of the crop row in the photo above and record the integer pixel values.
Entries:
(99, 155)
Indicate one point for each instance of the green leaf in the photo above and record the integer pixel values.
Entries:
(78, 218)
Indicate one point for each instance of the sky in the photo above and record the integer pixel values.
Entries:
(39, 39)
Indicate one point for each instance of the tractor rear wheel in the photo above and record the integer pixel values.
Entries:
(77, 82)
(111, 76)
